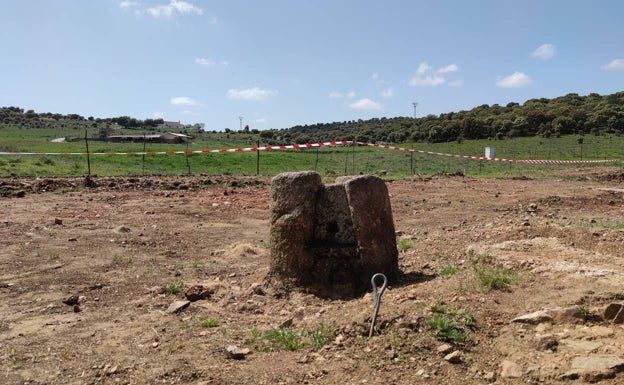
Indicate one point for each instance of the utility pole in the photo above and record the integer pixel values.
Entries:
(415, 104)
(241, 122)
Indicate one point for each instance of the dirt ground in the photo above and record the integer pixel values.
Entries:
(122, 246)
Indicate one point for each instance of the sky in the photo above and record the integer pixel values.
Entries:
(281, 63)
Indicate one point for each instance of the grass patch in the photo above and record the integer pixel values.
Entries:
(489, 275)
(404, 244)
(447, 329)
(208, 323)
(123, 259)
(449, 270)
(290, 339)
(173, 288)
(449, 325)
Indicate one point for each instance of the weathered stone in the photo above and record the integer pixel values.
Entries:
(597, 363)
(444, 348)
(177, 306)
(197, 292)
(236, 353)
(614, 313)
(533, 318)
(510, 369)
(454, 357)
(331, 239)
(581, 345)
(546, 342)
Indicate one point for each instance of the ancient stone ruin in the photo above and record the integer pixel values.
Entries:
(331, 239)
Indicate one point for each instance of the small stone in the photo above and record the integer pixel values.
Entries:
(58, 221)
(197, 292)
(339, 340)
(178, 306)
(614, 313)
(510, 369)
(235, 353)
(533, 318)
(444, 349)
(155, 344)
(71, 300)
(454, 357)
(489, 376)
(76, 309)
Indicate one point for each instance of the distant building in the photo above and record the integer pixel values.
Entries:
(166, 124)
(168, 137)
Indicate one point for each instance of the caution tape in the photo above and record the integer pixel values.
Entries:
(317, 145)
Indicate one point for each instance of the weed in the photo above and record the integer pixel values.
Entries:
(447, 329)
(285, 338)
(449, 270)
(585, 312)
(173, 288)
(404, 244)
(122, 260)
(319, 336)
(490, 276)
(208, 323)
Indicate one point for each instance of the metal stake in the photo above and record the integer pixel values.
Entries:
(377, 298)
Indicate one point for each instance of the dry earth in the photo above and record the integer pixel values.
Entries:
(116, 245)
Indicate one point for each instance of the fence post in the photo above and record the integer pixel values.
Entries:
(143, 163)
(88, 156)
(258, 158)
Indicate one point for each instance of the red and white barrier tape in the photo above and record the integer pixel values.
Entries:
(319, 144)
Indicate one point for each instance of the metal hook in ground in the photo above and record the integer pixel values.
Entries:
(377, 298)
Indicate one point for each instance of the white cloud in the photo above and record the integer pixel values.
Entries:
(127, 4)
(261, 120)
(351, 95)
(366, 104)
(175, 7)
(449, 68)
(183, 101)
(515, 80)
(431, 81)
(616, 64)
(456, 83)
(387, 93)
(544, 51)
(335, 95)
(204, 61)
(422, 68)
(254, 93)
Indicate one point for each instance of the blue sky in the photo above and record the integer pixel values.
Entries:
(279, 63)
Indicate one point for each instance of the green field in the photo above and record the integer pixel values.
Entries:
(328, 161)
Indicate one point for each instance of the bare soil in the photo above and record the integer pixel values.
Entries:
(116, 245)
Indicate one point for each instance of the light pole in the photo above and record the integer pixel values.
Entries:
(415, 105)
(241, 123)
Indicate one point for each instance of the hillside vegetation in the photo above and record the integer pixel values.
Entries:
(570, 127)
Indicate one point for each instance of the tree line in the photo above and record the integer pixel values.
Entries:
(570, 114)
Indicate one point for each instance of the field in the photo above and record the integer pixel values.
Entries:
(475, 253)
(328, 161)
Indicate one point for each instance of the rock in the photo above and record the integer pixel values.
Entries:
(178, 306)
(581, 345)
(614, 313)
(597, 363)
(546, 342)
(72, 300)
(235, 353)
(533, 318)
(489, 376)
(121, 229)
(454, 357)
(444, 349)
(76, 309)
(255, 288)
(339, 340)
(196, 293)
(510, 369)
(331, 238)
(58, 221)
